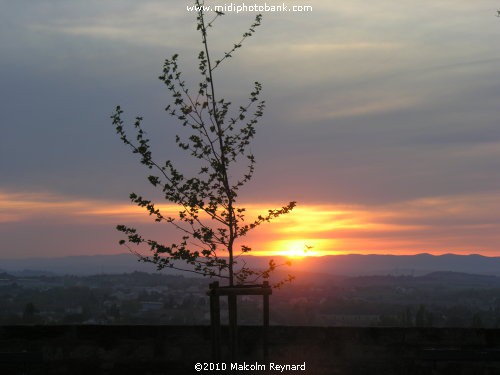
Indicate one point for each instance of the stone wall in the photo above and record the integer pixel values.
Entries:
(176, 349)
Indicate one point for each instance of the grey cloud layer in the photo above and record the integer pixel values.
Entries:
(368, 103)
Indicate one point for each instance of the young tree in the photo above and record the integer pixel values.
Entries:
(210, 220)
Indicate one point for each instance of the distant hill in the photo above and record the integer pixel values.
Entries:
(416, 265)
(75, 265)
(347, 265)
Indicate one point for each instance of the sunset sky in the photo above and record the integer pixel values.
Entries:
(382, 122)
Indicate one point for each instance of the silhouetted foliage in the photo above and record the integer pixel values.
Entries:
(209, 219)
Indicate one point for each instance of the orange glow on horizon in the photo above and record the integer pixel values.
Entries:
(434, 225)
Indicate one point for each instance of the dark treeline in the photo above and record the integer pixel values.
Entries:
(439, 299)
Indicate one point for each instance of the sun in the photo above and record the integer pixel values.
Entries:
(302, 247)
(296, 248)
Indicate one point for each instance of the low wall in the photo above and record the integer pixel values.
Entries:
(176, 349)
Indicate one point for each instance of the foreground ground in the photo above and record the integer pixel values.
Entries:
(177, 349)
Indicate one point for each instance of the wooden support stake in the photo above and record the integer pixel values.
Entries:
(232, 293)
(215, 320)
(265, 322)
(233, 326)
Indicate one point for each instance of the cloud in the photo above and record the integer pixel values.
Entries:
(325, 48)
(331, 109)
(56, 208)
(369, 104)
(437, 224)
(460, 223)
(16, 207)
